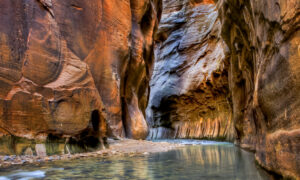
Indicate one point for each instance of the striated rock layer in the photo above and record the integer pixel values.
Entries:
(189, 95)
(249, 91)
(226, 69)
(264, 79)
(67, 67)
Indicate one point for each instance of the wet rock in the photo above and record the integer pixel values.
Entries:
(40, 150)
(5, 158)
(28, 152)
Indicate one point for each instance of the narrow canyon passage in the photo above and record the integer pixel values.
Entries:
(76, 74)
(189, 89)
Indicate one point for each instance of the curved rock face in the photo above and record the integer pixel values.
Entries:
(264, 77)
(250, 92)
(60, 61)
(226, 69)
(46, 87)
(189, 95)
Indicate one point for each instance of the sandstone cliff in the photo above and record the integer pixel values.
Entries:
(247, 90)
(189, 95)
(264, 78)
(226, 69)
(64, 64)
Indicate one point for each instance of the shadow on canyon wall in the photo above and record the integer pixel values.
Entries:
(80, 71)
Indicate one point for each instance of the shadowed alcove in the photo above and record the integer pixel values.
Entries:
(95, 119)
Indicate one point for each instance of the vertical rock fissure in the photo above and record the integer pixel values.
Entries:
(135, 74)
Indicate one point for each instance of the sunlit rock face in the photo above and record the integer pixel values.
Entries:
(264, 77)
(60, 61)
(189, 95)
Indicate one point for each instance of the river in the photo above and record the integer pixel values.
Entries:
(196, 160)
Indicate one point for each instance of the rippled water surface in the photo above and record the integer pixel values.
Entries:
(196, 160)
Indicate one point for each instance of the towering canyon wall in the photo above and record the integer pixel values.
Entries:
(189, 95)
(64, 64)
(226, 69)
(264, 78)
(242, 83)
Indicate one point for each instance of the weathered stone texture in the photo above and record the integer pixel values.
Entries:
(264, 78)
(226, 69)
(61, 60)
(189, 95)
(199, 88)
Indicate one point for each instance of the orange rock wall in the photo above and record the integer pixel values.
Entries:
(230, 68)
(223, 69)
(264, 41)
(60, 60)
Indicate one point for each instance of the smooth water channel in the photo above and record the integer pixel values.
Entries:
(196, 160)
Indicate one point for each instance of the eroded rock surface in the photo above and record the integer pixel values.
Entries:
(201, 89)
(226, 69)
(189, 95)
(62, 61)
(264, 77)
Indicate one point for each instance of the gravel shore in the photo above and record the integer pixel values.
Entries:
(116, 147)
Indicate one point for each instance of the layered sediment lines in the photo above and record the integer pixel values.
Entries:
(63, 61)
(247, 88)
(264, 41)
(226, 69)
(189, 95)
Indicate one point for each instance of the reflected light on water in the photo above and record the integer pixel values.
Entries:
(205, 160)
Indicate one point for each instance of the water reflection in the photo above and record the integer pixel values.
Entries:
(211, 161)
(12, 145)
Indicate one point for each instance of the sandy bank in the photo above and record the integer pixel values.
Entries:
(116, 147)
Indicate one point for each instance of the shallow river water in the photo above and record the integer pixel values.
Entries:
(196, 160)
